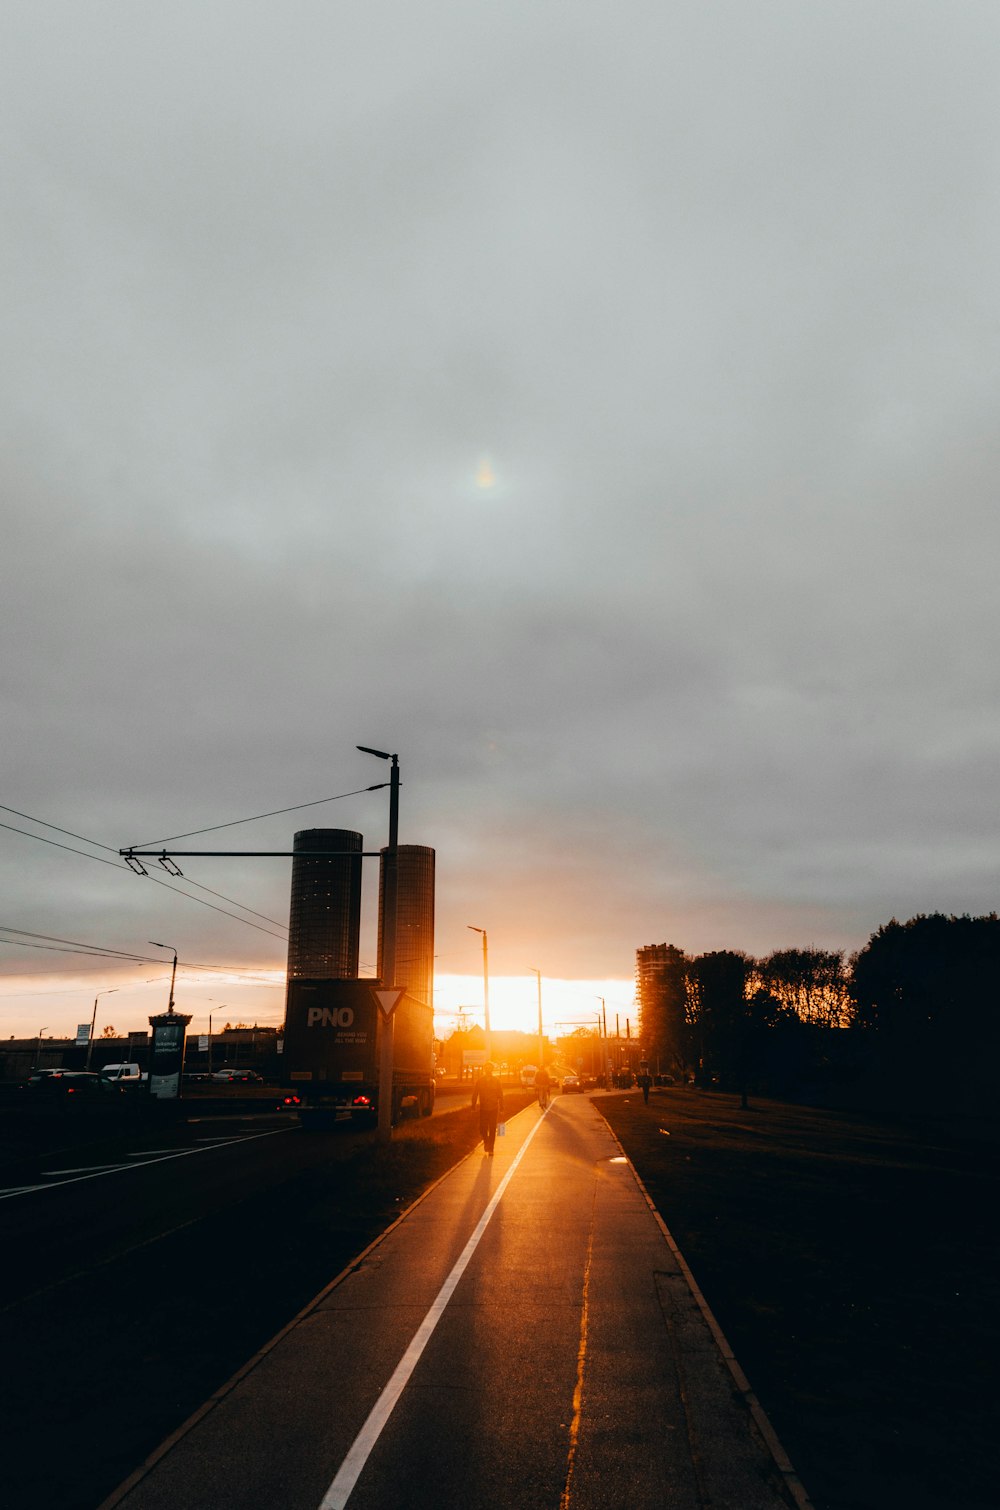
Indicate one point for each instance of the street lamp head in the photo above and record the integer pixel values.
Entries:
(474, 928)
(367, 750)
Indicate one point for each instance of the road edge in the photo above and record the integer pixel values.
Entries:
(772, 1441)
(125, 1488)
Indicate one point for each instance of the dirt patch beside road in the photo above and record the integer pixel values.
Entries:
(852, 1265)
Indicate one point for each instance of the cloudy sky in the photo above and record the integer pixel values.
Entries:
(596, 404)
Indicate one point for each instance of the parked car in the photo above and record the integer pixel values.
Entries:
(123, 1074)
(570, 1083)
(241, 1077)
(62, 1084)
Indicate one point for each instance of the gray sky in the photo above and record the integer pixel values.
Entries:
(706, 293)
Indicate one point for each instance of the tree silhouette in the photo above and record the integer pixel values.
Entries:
(926, 996)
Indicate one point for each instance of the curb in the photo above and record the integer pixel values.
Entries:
(782, 1462)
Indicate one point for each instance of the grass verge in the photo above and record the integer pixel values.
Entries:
(851, 1263)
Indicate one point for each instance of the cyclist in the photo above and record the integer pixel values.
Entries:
(542, 1083)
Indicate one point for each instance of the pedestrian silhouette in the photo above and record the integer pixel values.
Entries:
(488, 1092)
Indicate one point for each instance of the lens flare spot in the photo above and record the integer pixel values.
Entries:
(486, 477)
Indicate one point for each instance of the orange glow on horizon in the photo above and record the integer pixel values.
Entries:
(566, 1004)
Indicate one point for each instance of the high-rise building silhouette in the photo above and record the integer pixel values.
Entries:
(650, 966)
(324, 923)
(414, 920)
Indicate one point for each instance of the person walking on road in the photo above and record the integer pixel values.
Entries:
(645, 1081)
(542, 1083)
(488, 1092)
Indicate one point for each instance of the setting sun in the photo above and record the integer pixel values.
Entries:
(566, 1004)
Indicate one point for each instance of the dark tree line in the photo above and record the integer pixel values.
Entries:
(919, 1004)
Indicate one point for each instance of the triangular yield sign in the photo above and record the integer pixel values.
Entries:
(389, 998)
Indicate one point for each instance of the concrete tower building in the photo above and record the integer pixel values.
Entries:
(324, 923)
(414, 920)
(650, 967)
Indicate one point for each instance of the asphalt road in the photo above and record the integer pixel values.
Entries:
(139, 1272)
(525, 1337)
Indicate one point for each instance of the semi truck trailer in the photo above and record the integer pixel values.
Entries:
(332, 1046)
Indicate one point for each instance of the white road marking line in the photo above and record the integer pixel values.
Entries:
(81, 1169)
(95, 1174)
(337, 1495)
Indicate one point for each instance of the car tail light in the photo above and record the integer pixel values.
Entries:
(362, 1101)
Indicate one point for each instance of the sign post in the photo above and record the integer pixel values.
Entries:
(388, 999)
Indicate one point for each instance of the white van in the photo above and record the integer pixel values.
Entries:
(123, 1074)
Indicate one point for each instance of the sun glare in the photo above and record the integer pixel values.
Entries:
(566, 1004)
(486, 477)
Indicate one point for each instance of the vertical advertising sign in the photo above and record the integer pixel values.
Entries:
(166, 1055)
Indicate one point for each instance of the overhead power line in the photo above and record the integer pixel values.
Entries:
(234, 823)
(55, 827)
(120, 865)
(74, 946)
(42, 840)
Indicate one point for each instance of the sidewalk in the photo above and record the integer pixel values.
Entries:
(525, 1336)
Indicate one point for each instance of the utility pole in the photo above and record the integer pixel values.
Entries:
(93, 1021)
(173, 972)
(389, 896)
(541, 1036)
(486, 988)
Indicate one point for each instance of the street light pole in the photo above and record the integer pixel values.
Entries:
(541, 1036)
(486, 986)
(389, 907)
(391, 858)
(93, 1021)
(603, 1029)
(224, 1008)
(173, 973)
